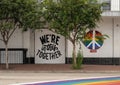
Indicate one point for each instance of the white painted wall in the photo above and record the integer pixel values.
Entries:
(26, 41)
(105, 27)
(110, 48)
(115, 5)
(15, 40)
(116, 37)
(19, 39)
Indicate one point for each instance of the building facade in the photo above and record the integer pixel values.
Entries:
(46, 47)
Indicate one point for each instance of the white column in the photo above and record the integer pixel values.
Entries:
(26, 41)
(115, 5)
(117, 37)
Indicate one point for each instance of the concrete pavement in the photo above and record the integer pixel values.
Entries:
(13, 77)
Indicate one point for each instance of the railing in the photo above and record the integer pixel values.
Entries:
(111, 13)
(107, 5)
(111, 7)
(15, 55)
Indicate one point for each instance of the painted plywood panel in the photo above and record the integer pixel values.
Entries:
(105, 27)
(49, 47)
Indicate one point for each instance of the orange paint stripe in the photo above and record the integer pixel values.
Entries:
(112, 82)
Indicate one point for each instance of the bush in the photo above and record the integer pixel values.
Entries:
(79, 60)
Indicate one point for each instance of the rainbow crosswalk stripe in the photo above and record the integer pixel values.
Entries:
(94, 81)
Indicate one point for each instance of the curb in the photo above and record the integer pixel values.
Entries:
(52, 71)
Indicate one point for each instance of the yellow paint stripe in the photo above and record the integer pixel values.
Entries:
(100, 83)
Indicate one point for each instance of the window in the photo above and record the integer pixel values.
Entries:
(39, 0)
(107, 5)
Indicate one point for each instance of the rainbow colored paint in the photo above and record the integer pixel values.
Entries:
(94, 81)
(93, 40)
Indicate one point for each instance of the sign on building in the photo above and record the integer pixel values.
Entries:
(93, 40)
(49, 47)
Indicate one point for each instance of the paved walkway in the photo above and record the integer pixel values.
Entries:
(34, 73)
(61, 68)
(9, 78)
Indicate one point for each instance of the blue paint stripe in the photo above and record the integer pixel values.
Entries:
(78, 81)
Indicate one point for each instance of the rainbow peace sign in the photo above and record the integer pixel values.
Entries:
(93, 40)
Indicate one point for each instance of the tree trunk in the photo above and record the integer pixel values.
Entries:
(74, 55)
(6, 56)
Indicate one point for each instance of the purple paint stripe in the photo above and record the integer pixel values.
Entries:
(76, 81)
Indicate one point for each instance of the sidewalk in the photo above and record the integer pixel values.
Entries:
(25, 73)
(60, 68)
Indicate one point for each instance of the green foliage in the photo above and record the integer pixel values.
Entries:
(67, 15)
(79, 60)
(71, 18)
(24, 12)
(18, 14)
(103, 37)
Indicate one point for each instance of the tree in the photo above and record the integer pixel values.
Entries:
(17, 14)
(71, 18)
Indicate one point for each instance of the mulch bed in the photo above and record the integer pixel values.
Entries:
(60, 68)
